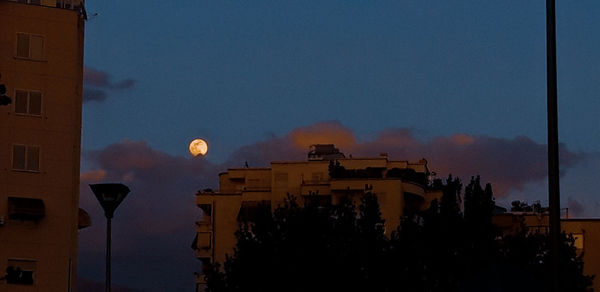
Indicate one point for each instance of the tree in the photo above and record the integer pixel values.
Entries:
(343, 247)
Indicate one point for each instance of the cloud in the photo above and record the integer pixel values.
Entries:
(154, 226)
(576, 209)
(97, 84)
(294, 146)
(507, 163)
(93, 175)
(92, 94)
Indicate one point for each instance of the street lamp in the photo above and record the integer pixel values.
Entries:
(109, 196)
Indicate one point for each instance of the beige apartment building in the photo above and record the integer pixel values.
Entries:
(41, 66)
(401, 186)
(585, 232)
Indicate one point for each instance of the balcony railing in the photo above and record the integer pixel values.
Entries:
(315, 182)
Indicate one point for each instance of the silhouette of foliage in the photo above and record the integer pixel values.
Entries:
(519, 206)
(345, 247)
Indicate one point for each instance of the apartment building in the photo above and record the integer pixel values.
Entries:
(327, 176)
(41, 68)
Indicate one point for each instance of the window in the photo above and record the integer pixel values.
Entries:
(30, 46)
(65, 4)
(26, 158)
(28, 102)
(21, 272)
(36, 2)
(26, 208)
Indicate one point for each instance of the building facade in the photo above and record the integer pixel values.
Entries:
(327, 176)
(41, 66)
(585, 232)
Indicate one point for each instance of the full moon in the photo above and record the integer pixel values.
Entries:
(198, 147)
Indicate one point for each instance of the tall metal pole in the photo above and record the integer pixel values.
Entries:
(108, 234)
(553, 179)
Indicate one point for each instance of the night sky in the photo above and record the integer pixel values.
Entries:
(461, 83)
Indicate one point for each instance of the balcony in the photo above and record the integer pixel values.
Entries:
(256, 189)
(315, 182)
(202, 244)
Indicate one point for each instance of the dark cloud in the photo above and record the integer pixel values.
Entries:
(576, 209)
(95, 77)
(92, 94)
(153, 229)
(97, 84)
(123, 84)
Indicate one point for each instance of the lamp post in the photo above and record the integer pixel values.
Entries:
(109, 196)
(553, 175)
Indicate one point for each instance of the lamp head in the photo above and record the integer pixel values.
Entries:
(110, 196)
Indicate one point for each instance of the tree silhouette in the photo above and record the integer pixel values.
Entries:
(344, 247)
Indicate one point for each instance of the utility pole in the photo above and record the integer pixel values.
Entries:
(553, 176)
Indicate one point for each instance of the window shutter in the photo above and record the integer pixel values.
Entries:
(33, 158)
(21, 102)
(18, 157)
(37, 47)
(23, 45)
(35, 103)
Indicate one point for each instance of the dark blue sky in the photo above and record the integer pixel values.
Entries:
(239, 72)
(235, 72)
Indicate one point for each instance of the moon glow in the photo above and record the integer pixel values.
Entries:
(198, 147)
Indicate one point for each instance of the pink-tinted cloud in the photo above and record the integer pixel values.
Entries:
(507, 163)
(93, 175)
(159, 181)
(294, 145)
(97, 84)
(322, 133)
(97, 78)
(153, 228)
